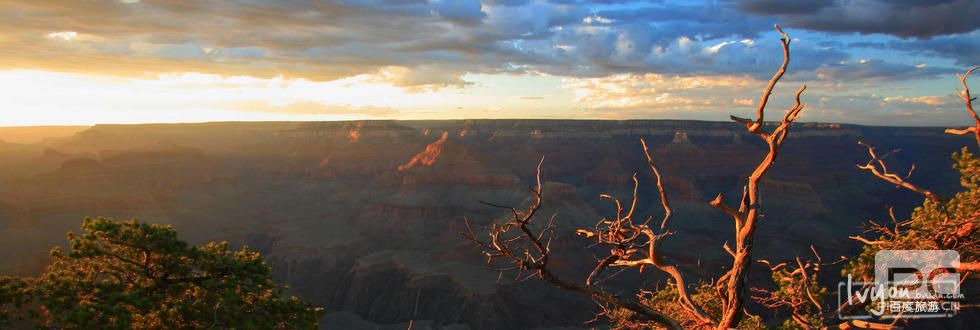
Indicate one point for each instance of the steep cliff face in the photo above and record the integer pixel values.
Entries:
(364, 217)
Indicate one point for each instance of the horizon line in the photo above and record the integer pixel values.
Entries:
(456, 119)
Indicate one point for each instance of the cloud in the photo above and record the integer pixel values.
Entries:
(423, 77)
(634, 94)
(708, 21)
(716, 97)
(878, 71)
(620, 58)
(602, 51)
(529, 97)
(927, 100)
(435, 42)
(907, 19)
(794, 7)
(467, 11)
(506, 2)
(320, 41)
(313, 108)
(63, 35)
(887, 110)
(743, 102)
(963, 49)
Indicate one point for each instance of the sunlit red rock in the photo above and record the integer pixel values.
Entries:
(427, 156)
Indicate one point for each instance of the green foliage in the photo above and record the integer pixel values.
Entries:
(950, 225)
(14, 297)
(799, 291)
(137, 275)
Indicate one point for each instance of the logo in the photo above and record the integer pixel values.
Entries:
(907, 284)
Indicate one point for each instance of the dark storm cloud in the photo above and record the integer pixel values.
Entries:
(771, 7)
(437, 41)
(909, 18)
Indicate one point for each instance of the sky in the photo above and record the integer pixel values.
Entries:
(874, 62)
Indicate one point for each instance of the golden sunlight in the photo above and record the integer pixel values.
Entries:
(49, 98)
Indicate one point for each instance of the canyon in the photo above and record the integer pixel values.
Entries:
(364, 217)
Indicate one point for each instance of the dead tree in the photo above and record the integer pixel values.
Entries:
(965, 95)
(525, 245)
(954, 228)
(749, 211)
(950, 234)
(800, 294)
(876, 165)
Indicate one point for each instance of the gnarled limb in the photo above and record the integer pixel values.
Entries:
(528, 249)
(964, 131)
(965, 95)
(623, 238)
(876, 165)
(749, 211)
(754, 127)
(636, 245)
(660, 186)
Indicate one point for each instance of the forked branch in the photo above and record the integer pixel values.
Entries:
(746, 217)
(876, 165)
(965, 95)
(754, 126)
(634, 244)
(637, 245)
(528, 248)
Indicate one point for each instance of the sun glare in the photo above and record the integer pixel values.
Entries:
(47, 98)
(33, 97)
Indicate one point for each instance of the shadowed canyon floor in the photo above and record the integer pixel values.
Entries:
(363, 218)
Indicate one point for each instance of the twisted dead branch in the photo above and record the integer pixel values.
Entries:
(637, 245)
(529, 252)
(965, 95)
(876, 165)
(749, 212)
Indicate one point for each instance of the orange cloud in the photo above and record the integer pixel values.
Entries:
(656, 92)
(928, 100)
